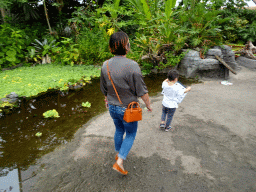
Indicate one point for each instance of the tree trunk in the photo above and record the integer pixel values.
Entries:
(3, 14)
(254, 1)
(248, 51)
(47, 18)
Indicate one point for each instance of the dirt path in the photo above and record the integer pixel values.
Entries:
(212, 147)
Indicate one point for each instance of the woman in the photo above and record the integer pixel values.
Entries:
(129, 84)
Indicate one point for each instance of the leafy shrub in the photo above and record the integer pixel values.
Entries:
(93, 46)
(199, 27)
(12, 46)
(231, 26)
(238, 25)
(172, 60)
(44, 47)
(248, 33)
(67, 52)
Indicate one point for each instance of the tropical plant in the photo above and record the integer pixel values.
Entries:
(157, 28)
(44, 47)
(172, 60)
(248, 33)
(199, 27)
(66, 52)
(12, 46)
(5, 4)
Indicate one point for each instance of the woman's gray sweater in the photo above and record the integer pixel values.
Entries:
(127, 78)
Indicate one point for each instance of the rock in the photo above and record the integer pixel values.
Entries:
(189, 64)
(209, 64)
(78, 86)
(32, 106)
(4, 100)
(192, 65)
(12, 95)
(228, 56)
(212, 52)
(11, 98)
(246, 62)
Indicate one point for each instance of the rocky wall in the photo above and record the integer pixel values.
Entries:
(192, 65)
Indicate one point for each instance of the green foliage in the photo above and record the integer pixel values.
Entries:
(148, 44)
(51, 114)
(86, 104)
(67, 52)
(30, 81)
(7, 3)
(169, 4)
(199, 27)
(44, 47)
(248, 33)
(93, 45)
(231, 26)
(94, 29)
(172, 60)
(237, 24)
(12, 46)
(38, 134)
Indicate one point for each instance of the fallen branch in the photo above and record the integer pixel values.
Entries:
(248, 51)
(225, 64)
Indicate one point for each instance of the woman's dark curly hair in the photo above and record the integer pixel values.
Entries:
(172, 75)
(118, 42)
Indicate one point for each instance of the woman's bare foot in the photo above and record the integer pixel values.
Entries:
(118, 166)
(120, 163)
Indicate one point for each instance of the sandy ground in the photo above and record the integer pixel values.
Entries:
(212, 147)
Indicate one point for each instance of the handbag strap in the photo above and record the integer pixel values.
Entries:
(113, 84)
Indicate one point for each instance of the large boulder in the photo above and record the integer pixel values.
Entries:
(192, 65)
(228, 56)
(189, 64)
(11, 98)
(212, 52)
(208, 64)
(246, 62)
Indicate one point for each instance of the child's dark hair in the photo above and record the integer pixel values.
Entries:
(118, 42)
(172, 75)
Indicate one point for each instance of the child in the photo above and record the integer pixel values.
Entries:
(173, 94)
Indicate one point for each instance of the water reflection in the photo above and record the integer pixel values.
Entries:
(19, 147)
(11, 181)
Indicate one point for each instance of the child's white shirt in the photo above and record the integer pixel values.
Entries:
(173, 95)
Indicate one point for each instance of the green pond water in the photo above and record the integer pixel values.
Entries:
(20, 148)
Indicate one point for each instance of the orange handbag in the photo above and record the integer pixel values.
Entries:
(133, 112)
